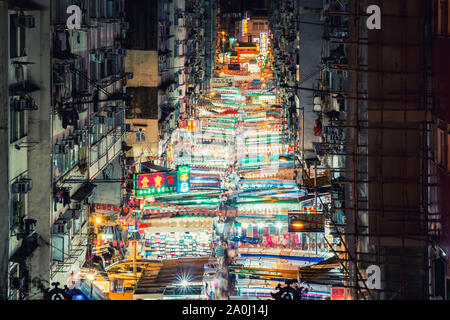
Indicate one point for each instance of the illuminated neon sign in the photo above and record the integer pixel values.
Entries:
(184, 179)
(304, 222)
(162, 182)
(264, 40)
(192, 125)
(260, 58)
(244, 27)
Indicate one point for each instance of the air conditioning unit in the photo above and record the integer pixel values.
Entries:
(60, 227)
(70, 143)
(61, 149)
(77, 137)
(96, 57)
(122, 52)
(110, 55)
(24, 104)
(17, 283)
(76, 206)
(27, 21)
(22, 186)
(82, 135)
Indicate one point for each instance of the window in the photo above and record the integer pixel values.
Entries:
(102, 148)
(94, 8)
(18, 209)
(441, 17)
(94, 154)
(448, 148)
(13, 274)
(60, 247)
(110, 9)
(18, 126)
(440, 154)
(17, 37)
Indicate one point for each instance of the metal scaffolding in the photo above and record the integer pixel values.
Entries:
(382, 133)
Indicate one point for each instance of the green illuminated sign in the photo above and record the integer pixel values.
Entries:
(162, 182)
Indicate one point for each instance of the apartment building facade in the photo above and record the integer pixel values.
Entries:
(66, 100)
(169, 71)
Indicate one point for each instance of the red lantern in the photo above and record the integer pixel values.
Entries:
(142, 227)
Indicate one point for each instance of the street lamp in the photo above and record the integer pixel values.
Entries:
(91, 278)
(184, 283)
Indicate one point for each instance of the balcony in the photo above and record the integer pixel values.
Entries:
(109, 148)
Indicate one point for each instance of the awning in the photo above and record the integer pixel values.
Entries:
(84, 192)
(19, 256)
(166, 84)
(67, 215)
(150, 166)
(23, 4)
(71, 214)
(22, 88)
(126, 148)
(164, 52)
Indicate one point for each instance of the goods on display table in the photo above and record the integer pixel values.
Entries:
(171, 245)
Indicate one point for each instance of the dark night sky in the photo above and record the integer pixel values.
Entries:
(228, 5)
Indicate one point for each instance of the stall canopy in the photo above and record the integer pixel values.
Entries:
(84, 192)
(148, 166)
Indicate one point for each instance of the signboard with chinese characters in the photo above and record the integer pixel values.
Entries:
(156, 183)
(340, 293)
(149, 184)
(244, 27)
(116, 285)
(191, 125)
(305, 222)
(261, 60)
(264, 43)
(183, 176)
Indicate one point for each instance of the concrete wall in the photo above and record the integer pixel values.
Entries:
(144, 66)
(390, 162)
(143, 149)
(39, 157)
(108, 192)
(4, 146)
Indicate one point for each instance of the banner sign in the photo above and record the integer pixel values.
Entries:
(306, 222)
(264, 43)
(162, 182)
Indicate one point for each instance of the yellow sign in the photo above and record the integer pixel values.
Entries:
(264, 40)
(244, 27)
(157, 180)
